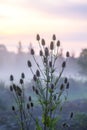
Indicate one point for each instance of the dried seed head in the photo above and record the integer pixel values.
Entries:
(11, 88)
(19, 94)
(52, 45)
(35, 78)
(13, 108)
(46, 52)
(64, 124)
(43, 42)
(22, 75)
(38, 37)
(67, 86)
(36, 91)
(67, 54)
(62, 87)
(32, 104)
(30, 98)
(18, 90)
(41, 53)
(28, 106)
(37, 73)
(58, 43)
(32, 52)
(11, 78)
(14, 87)
(50, 63)
(29, 63)
(45, 60)
(52, 86)
(33, 88)
(21, 81)
(65, 80)
(64, 64)
(71, 115)
(54, 37)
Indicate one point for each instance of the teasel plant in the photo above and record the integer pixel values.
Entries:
(22, 107)
(46, 84)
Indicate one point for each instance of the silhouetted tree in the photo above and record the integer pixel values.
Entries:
(19, 47)
(83, 61)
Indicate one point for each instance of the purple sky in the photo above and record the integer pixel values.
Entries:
(23, 19)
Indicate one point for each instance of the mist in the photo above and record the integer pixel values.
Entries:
(12, 63)
(16, 63)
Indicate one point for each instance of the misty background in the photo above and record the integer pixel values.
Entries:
(16, 63)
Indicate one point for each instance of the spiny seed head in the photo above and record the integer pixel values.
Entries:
(33, 88)
(21, 81)
(43, 42)
(46, 52)
(67, 86)
(67, 54)
(38, 37)
(62, 87)
(52, 86)
(71, 115)
(32, 104)
(29, 98)
(28, 106)
(19, 94)
(29, 63)
(14, 87)
(37, 73)
(64, 64)
(54, 37)
(11, 88)
(32, 52)
(45, 60)
(35, 78)
(52, 45)
(41, 53)
(22, 75)
(18, 90)
(13, 108)
(36, 91)
(65, 80)
(58, 43)
(50, 63)
(11, 78)
(64, 124)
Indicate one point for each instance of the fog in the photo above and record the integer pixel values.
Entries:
(16, 63)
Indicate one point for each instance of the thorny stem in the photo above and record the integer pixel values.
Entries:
(46, 106)
(31, 71)
(51, 83)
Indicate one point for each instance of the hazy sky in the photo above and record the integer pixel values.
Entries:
(23, 19)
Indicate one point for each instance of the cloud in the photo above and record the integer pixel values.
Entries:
(63, 9)
(75, 37)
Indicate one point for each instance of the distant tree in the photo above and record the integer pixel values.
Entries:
(82, 60)
(73, 54)
(61, 52)
(19, 47)
(30, 47)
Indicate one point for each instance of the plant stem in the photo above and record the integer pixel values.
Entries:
(47, 85)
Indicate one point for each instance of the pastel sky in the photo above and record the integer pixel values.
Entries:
(23, 19)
